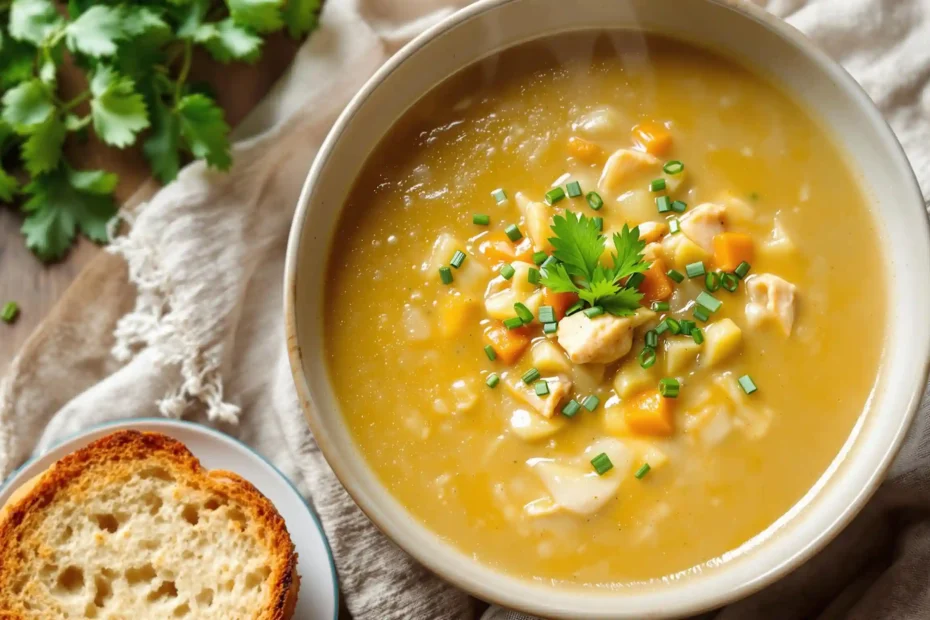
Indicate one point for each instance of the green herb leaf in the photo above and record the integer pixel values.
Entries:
(96, 31)
(16, 62)
(622, 303)
(301, 16)
(141, 21)
(578, 243)
(42, 149)
(27, 105)
(161, 148)
(204, 130)
(118, 111)
(260, 15)
(34, 20)
(629, 257)
(8, 186)
(226, 41)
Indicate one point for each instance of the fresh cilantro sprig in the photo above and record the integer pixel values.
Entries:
(137, 59)
(579, 245)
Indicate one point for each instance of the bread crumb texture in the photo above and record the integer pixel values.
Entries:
(132, 527)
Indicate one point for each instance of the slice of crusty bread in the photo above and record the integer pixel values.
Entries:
(132, 526)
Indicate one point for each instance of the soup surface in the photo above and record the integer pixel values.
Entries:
(642, 415)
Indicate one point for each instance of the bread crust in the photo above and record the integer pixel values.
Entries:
(119, 451)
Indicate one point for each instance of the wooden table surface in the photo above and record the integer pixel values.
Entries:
(37, 287)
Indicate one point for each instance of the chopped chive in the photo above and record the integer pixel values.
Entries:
(591, 402)
(673, 167)
(674, 226)
(695, 270)
(525, 314)
(573, 189)
(550, 328)
(490, 352)
(711, 281)
(539, 258)
(493, 380)
(513, 233)
(642, 471)
(663, 204)
(532, 276)
(575, 307)
(679, 206)
(697, 334)
(747, 384)
(507, 271)
(662, 327)
(742, 269)
(445, 274)
(635, 280)
(657, 185)
(599, 223)
(546, 314)
(673, 326)
(669, 387)
(457, 259)
(675, 275)
(594, 201)
(513, 322)
(480, 219)
(593, 311)
(554, 195)
(571, 408)
(652, 339)
(499, 195)
(542, 388)
(530, 375)
(729, 281)
(660, 306)
(551, 260)
(647, 357)
(687, 326)
(10, 312)
(701, 313)
(708, 301)
(602, 464)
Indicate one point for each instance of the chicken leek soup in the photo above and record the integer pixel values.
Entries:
(600, 310)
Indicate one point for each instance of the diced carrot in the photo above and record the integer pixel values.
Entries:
(656, 286)
(509, 344)
(585, 151)
(652, 137)
(730, 249)
(560, 302)
(496, 248)
(649, 413)
(455, 310)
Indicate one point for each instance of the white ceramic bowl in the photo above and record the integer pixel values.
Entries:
(760, 41)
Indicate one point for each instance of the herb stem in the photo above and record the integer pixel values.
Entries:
(76, 101)
(185, 70)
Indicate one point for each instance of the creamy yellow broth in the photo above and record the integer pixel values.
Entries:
(411, 381)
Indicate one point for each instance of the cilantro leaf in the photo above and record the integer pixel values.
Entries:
(26, 105)
(556, 279)
(260, 15)
(226, 40)
(204, 130)
(33, 20)
(578, 243)
(622, 303)
(190, 16)
(629, 257)
(118, 111)
(161, 148)
(8, 186)
(63, 201)
(42, 149)
(96, 31)
(144, 21)
(301, 16)
(597, 288)
(16, 60)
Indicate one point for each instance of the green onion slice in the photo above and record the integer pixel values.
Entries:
(493, 380)
(573, 189)
(591, 402)
(695, 270)
(673, 167)
(530, 376)
(541, 388)
(571, 408)
(445, 274)
(594, 201)
(554, 195)
(657, 185)
(457, 259)
(669, 387)
(507, 271)
(708, 301)
(642, 471)
(499, 195)
(675, 275)
(490, 352)
(747, 384)
(546, 314)
(513, 233)
(481, 219)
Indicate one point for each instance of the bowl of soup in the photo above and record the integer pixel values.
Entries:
(609, 309)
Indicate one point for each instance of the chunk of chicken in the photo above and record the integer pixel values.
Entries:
(770, 299)
(621, 166)
(576, 487)
(703, 223)
(560, 387)
(601, 340)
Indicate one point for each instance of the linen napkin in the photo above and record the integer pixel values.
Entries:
(184, 318)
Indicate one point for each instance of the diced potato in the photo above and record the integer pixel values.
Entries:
(530, 426)
(533, 302)
(560, 388)
(538, 224)
(623, 166)
(637, 205)
(680, 352)
(721, 339)
(588, 377)
(646, 452)
(455, 312)
(548, 357)
(712, 425)
(520, 281)
(502, 294)
(465, 394)
(500, 305)
(443, 249)
(651, 232)
(615, 421)
(599, 122)
(632, 379)
(673, 182)
(779, 243)
(576, 487)
(683, 251)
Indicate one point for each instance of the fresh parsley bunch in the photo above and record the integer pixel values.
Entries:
(137, 59)
(579, 245)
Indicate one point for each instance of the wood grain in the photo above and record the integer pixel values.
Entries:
(37, 287)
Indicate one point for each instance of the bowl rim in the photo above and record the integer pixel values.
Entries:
(840, 518)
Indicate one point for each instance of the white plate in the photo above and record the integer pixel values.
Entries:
(318, 587)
